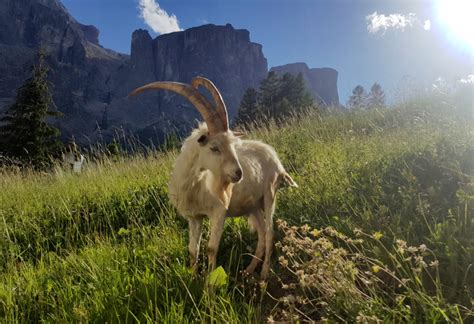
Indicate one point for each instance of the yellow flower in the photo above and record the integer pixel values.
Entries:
(377, 235)
(375, 268)
(315, 232)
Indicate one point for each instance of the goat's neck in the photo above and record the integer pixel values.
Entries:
(196, 185)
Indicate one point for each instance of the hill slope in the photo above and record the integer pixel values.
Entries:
(388, 196)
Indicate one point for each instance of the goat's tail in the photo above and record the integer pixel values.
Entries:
(286, 180)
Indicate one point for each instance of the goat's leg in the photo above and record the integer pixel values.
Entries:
(269, 209)
(217, 227)
(258, 222)
(195, 227)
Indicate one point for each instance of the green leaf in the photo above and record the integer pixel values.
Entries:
(218, 277)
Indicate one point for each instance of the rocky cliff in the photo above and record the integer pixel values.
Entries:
(90, 83)
(321, 82)
(221, 53)
(80, 67)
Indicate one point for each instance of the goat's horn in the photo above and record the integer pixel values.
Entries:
(210, 115)
(219, 102)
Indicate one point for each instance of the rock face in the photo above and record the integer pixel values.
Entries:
(79, 68)
(221, 53)
(321, 82)
(90, 83)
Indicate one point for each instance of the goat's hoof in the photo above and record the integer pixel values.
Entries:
(249, 270)
(264, 274)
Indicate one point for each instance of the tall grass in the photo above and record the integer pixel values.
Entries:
(386, 195)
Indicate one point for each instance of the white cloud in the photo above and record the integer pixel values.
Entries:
(427, 25)
(381, 23)
(468, 80)
(156, 18)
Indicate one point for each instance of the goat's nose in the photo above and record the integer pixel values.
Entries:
(237, 175)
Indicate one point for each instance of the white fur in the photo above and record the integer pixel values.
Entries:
(195, 190)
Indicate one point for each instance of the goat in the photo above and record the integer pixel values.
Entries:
(219, 175)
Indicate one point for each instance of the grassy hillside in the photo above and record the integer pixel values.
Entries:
(380, 228)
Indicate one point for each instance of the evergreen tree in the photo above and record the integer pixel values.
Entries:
(270, 93)
(376, 97)
(358, 100)
(25, 134)
(248, 109)
(279, 97)
(298, 95)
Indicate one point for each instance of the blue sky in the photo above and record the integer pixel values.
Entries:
(414, 41)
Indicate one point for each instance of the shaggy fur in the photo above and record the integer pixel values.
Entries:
(202, 186)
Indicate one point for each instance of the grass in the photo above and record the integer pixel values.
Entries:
(382, 224)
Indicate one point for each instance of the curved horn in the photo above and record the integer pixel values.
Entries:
(208, 113)
(219, 102)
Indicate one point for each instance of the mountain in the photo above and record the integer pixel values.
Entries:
(90, 83)
(321, 82)
(221, 53)
(80, 67)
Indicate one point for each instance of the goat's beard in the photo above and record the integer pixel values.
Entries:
(222, 189)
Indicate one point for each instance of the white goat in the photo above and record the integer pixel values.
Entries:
(219, 175)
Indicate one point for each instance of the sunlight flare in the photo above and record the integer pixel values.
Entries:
(456, 16)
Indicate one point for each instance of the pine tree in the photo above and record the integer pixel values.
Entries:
(279, 97)
(270, 93)
(299, 96)
(376, 97)
(358, 100)
(25, 134)
(248, 109)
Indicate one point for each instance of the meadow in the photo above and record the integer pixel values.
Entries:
(380, 229)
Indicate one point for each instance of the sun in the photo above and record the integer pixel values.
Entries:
(457, 18)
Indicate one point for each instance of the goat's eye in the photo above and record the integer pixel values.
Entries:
(215, 149)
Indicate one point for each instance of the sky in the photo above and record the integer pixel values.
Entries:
(384, 41)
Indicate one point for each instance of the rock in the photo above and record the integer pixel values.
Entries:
(91, 33)
(221, 53)
(321, 82)
(91, 83)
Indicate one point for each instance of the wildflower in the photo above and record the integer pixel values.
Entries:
(283, 261)
(315, 232)
(402, 245)
(357, 231)
(331, 231)
(288, 299)
(412, 249)
(305, 228)
(434, 263)
(422, 248)
(375, 268)
(377, 235)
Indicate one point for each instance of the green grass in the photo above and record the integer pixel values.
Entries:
(106, 245)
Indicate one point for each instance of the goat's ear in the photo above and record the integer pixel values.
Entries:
(202, 140)
(239, 134)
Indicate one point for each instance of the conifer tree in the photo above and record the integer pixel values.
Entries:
(270, 93)
(248, 109)
(279, 97)
(358, 99)
(376, 97)
(25, 134)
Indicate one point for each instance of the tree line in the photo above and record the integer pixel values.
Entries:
(360, 99)
(278, 97)
(28, 139)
